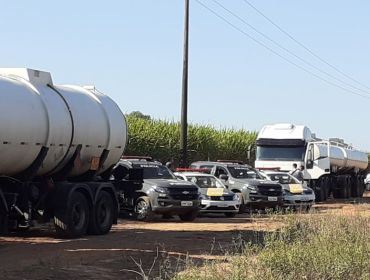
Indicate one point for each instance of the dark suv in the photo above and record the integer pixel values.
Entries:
(254, 191)
(161, 192)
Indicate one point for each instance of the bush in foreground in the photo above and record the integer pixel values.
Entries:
(309, 247)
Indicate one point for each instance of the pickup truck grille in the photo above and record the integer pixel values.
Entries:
(270, 190)
(183, 193)
(222, 198)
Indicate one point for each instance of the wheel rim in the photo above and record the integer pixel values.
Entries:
(78, 215)
(142, 209)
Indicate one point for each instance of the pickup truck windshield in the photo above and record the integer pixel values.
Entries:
(152, 171)
(287, 153)
(205, 181)
(283, 178)
(243, 172)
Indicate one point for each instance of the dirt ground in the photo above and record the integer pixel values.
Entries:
(38, 254)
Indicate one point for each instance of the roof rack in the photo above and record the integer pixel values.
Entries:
(201, 170)
(269, 168)
(230, 161)
(146, 158)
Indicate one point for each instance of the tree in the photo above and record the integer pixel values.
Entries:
(139, 115)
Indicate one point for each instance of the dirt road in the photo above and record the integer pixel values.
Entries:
(38, 254)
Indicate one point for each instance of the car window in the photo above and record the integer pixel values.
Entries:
(243, 172)
(219, 171)
(153, 171)
(205, 181)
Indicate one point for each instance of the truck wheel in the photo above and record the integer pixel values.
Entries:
(348, 187)
(242, 206)
(143, 209)
(319, 190)
(3, 224)
(355, 187)
(73, 221)
(189, 217)
(101, 219)
(344, 189)
(230, 215)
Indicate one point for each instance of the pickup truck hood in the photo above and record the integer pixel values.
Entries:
(253, 182)
(215, 192)
(169, 183)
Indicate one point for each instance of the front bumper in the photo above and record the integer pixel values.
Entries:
(299, 200)
(175, 207)
(210, 206)
(257, 201)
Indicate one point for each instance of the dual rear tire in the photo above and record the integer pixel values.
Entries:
(79, 218)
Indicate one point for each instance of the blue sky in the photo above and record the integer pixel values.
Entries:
(132, 51)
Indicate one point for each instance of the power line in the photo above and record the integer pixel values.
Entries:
(276, 53)
(287, 50)
(303, 46)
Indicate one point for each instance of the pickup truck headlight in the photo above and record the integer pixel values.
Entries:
(253, 189)
(160, 189)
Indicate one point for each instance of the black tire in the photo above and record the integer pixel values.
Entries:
(3, 224)
(242, 206)
(189, 217)
(343, 188)
(348, 187)
(101, 218)
(355, 187)
(319, 190)
(143, 209)
(73, 221)
(230, 215)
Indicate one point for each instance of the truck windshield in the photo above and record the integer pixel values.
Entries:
(284, 153)
(152, 171)
(243, 172)
(205, 181)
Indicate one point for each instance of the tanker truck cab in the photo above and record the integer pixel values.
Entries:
(162, 192)
(280, 146)
(331, 166)
(254, 191)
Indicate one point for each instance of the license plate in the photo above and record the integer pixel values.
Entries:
(186, 203)
(272, 198)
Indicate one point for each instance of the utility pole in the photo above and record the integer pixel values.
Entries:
(184, 101)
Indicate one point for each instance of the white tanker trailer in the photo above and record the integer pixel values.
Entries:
(55, 141)
(331, 167)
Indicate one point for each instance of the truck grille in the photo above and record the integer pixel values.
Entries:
(270, 190)
(222, 198)
(183, 193)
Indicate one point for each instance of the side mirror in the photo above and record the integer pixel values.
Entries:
(224, 177)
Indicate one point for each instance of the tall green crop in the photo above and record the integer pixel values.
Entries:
(160, 139)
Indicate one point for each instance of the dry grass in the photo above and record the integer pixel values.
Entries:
(325, 246)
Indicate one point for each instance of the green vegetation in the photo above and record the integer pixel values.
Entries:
(160, 139)
(309, 247)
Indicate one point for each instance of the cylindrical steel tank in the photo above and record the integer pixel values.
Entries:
(341, 157)
(34, 114)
